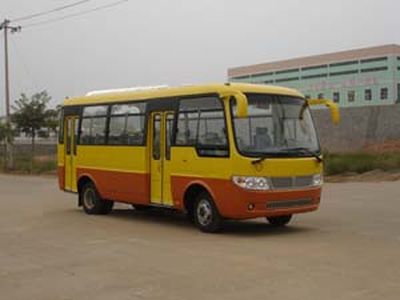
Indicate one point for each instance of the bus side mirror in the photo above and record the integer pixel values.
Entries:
(241, 103)
(334, 109)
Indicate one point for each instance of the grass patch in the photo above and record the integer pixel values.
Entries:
(22, 164)
(360, 162)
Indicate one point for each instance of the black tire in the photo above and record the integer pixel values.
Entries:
(205, 214)
(141, 207)
(279, 221)
(92, 202)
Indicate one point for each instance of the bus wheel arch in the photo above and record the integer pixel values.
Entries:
(198, 201)
(90, 199)
(189, 197)
(82, 181)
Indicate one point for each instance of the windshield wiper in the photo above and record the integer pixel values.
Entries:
(287, 151)
(260, 160)
(307, 151)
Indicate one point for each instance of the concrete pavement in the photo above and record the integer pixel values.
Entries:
(49, 249)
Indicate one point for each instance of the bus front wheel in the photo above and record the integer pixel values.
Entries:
(92, 202)
(205, 214)
(279, 221)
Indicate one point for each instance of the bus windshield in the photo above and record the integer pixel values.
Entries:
(276, 125)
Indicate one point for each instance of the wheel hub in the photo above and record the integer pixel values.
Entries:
(204, 212)
(88, 198)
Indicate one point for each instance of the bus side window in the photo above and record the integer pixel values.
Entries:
(187, 128)
(93, 125)
(68, 136)
(169, 135)
(127, 124)
(61, 127)
(201, 124)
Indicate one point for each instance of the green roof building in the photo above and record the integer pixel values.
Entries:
(369, 76)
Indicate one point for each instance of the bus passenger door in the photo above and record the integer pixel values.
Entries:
(167, 167)
(70, 136)
(156, 164)
(160, 164)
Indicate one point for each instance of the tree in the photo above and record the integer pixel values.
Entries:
(6, 135)
(3, 133)
(31, 115)
(52, 122)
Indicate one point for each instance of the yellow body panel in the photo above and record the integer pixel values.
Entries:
(60, 155)
(187, 163)
(113, 158)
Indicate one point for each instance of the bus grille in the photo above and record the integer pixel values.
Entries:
(281, 183)
(289, 203)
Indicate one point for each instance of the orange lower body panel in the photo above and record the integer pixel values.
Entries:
(233, 202)
(119, 186)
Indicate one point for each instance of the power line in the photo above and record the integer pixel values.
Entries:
(76, 14)
(39, 14)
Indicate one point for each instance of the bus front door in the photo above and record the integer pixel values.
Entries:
(160, 168)
(70, 136)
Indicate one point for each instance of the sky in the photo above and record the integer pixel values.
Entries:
(176, 42)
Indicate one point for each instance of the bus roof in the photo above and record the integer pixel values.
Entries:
(167, 92)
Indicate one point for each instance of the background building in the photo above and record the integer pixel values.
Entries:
(368, 76)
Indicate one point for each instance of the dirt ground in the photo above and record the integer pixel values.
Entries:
(49, 249)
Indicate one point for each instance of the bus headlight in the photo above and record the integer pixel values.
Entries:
(318, 180)
(251, 183)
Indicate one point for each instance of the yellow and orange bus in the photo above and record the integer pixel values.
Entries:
(223, 151)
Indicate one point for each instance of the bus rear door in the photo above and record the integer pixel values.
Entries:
(70, 136)
(160, 163)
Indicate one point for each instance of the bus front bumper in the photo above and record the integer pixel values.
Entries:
(234, 202)
(246, 204)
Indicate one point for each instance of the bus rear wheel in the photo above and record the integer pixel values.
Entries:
(279, 221)
(205, 214)
(92, 202)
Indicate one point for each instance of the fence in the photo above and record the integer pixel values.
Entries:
(25, 149)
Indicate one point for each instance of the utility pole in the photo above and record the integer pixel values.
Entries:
(8, 142)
